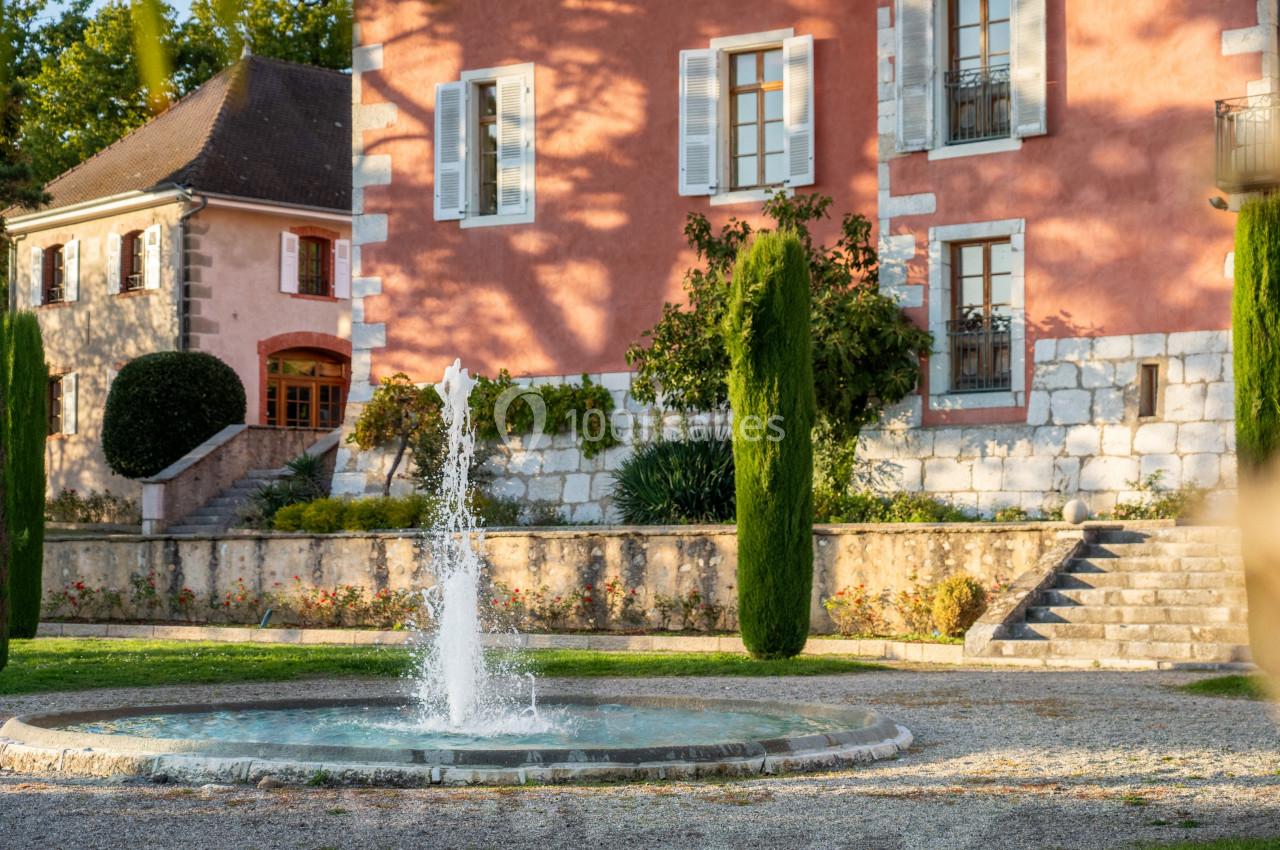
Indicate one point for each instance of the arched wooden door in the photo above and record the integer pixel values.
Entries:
(306, 388)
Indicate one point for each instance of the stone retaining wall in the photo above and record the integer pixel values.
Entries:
(666, 561)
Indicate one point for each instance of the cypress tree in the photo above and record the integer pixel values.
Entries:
(767, 335)
(4, 533)
(26, 427)
(1256, 329)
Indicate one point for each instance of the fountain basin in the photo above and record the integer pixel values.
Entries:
(605, 739)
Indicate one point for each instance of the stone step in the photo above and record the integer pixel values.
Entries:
(1231, 634)
(1173, 534)
(186, 528)
(1168, 580)
(1176, 550)
(1190, 615)
(1099, 650)
(1107, 596)
(265, 474)
(1148, 564)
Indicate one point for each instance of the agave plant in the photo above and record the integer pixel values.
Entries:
(677, 481)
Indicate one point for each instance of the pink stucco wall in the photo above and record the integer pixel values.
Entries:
(570, 292)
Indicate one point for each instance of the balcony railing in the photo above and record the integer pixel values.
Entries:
(977, 105)
(1248, 143)
(980, 354)
(131, 282)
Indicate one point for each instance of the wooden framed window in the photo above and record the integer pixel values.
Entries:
(306, 389)
(487, 133)
(54, 395)
(1148, 389)
(979, 331)
(54, 275)
(757, 147)
(132, 263)
(979, 34)
(315, 266)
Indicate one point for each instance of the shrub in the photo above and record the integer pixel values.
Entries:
(494, 511)
(767, 334)
(24, 430)
(289, 518)
(958, 602)
(677, 481)
(368, 514)
(325, 516)
(865, 506)
(915, 605)
(95, 507)
(855, 611)
(163, 405)
(1012, 513)
(1157, 502)
(1256, 330)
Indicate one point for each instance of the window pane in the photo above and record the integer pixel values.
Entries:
(773, 106)
(744, 69)
(971, 260)
(746, 108)
(974, 63)
(746, 139)
(997, 10)
(773, 137)
(746, 171)
(970, 11)
(998, 38)
(1001, 289)
(773, 66)
(971, 292)
(970, 41)
(1001, 258)
(775, 168)
(488, 101)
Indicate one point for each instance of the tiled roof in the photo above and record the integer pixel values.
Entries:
(262, 129)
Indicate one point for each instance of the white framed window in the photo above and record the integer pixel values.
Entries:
(970, 75)
(977, 315)
(747, 117)
(484, 147)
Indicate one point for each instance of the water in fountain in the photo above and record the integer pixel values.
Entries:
(458, 688)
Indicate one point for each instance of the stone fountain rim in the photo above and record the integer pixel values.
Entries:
(32, 743)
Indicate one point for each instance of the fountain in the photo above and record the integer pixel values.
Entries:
(468, 721)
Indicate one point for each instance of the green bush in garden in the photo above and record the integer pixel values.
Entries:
(958, 602)
(677, 481)
(163, 405)
(4, 536)
(866, 506)
(767, 335)
(1256, 329)
(324, 516)
(377, 513)
(289, 518)
(25, 429)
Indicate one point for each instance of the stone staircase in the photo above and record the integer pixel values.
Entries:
(220, 513)
(1165, 597)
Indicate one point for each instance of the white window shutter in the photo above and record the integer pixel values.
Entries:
(914, 77)
(37, 276)
(797, 97)
(71, 271)
(288, 261)
(113, 263)
(513, 144)
(342, 268)
(1029, 69)
(451, 151)
(151, 248)
(699, 114)
(70, 387)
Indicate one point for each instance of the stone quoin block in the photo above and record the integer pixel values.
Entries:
(1096, 374)
(1113, 347)
(1108, 473)
(906, 473)
(1056, 376)
(947, 442)
(1049, 440)
(1168, 466)
(1083, 440)
(1075, 350)
(988, 474)
(1220, 401)
(1201, 368)
(1066, 474)
(1108, 405)
(1045, 350)
(1117, 440)
(1198, 342)
(1038, 408)
(1203, 470)
(1200, 438)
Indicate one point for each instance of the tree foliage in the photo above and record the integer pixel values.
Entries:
(405, 415)
(163, 405)
(4, 498)
(1256, 329)
(865, 350)
(767, 332)
(24, 430)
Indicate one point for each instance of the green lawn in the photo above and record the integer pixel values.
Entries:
(71, 664)
(1236, 687)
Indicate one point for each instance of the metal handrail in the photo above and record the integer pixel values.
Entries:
(981, 353)
(978, 104)
(1247, 142)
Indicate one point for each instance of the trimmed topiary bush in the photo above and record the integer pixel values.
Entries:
(163, 405)
(289, 518)
(325, 516)
(676, 481)
(25, 429)
(1256, 330)
(771, 393)
(958, 602)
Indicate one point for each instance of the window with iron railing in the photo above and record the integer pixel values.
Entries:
(977, 82)
(314, 266)
(54, 276)
(1247, 155)
(979, 331)
(131, 262)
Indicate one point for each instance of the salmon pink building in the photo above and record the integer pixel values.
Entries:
(1040, 173)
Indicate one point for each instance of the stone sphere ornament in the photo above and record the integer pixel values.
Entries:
(1075, 511)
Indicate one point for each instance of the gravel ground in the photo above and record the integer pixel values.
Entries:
(1003, 759)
